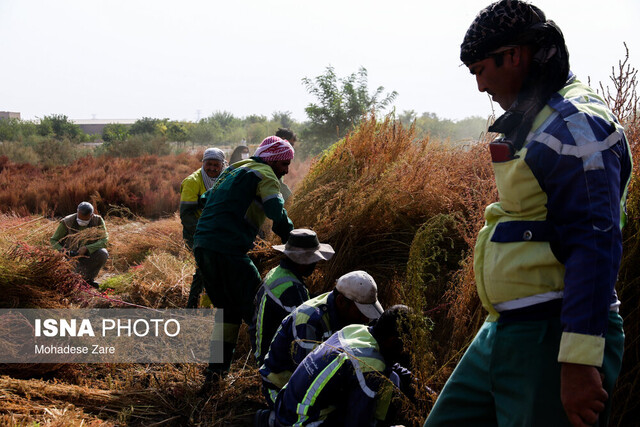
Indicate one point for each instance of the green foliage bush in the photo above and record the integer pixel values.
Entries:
(53, 152)
(16, 130)
(19, 152)
(37, 150)
(136, 146)
(59, 127)
(149, 126)
(430, 125)
(115, 132)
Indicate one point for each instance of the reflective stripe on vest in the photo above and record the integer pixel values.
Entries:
(528, 301)
(260, 318)
(273, 285)
(357, 354)
(540, 298)
(307, 309)
(317, 385)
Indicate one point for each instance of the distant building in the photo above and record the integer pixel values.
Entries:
(9, 115)
(95, 126)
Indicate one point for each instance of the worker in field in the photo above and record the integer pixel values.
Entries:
(283, 288)
(353, 300)
(192, 187)
(241, 152)
(83, 236)
(289, 136)
(244, 195)
(349, 379)
(547, 258)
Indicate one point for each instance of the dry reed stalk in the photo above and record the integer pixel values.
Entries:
(83, 237)
(373, 190)
(161, 281)
(33, 230)
(626, 408)
(132, 241)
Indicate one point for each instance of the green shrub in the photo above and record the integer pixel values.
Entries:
(57, 152)
(115, 132)
(18, 152)
(137, 145)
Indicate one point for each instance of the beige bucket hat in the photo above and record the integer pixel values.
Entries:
(303, 247)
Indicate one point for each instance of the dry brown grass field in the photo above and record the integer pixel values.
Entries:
(405, 210)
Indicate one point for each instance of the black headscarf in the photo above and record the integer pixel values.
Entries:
(515, 23)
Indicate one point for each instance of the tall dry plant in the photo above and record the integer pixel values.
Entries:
(373, 190)
(624, 102)
(407, 211)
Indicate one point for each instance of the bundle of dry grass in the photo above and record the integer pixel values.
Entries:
(149, 263)
(35, 277)
(132, 240)
(34, 230)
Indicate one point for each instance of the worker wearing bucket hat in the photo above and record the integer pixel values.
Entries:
(283, 288)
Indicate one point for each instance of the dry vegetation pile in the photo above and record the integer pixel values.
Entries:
(123, 394)
(147, 185)
(32, 274)
(148, 266)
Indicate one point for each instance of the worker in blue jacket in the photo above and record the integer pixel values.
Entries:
(354, 300)
(345, 381)
(283, 288)
(547, 259)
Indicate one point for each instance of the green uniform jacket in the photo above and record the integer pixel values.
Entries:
(190, 191)
(69, 226)
(244, 195)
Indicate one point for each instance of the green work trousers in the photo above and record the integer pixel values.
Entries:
(510, 376)
(231, 281)
(196, 290)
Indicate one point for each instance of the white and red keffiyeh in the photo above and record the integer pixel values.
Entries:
(274, 148)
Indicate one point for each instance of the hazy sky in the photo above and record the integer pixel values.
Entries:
(184, 59)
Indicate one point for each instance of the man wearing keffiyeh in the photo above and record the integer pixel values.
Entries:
(547, 258)
(191, 189)
(244, 195)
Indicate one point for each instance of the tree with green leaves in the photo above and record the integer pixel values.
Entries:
(59, 126)
(205, 133)
(340, 105)
(283, 118)
(177, 132)
(148, 125)
(115, 132)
